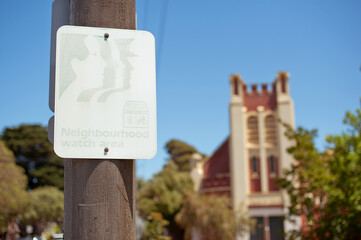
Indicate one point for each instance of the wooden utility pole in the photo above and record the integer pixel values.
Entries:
(100, 194)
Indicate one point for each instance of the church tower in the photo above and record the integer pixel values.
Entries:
(258, 151)
(246, 165)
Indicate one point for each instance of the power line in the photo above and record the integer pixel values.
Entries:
(145, 14)
(163, 19)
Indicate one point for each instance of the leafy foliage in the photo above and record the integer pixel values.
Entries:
(48, 174)
(12, 187)
(28, 142)
(155, 226)
(46, 204)
(212, 217)
(164, 193)
(169, 196)
(180, 153)
(35, 154)
(325, 187)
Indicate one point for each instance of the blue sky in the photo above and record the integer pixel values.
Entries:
(317, 41)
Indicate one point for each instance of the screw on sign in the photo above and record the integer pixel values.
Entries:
(106, 150)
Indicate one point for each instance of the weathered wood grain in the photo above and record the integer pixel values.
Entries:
(100, 194)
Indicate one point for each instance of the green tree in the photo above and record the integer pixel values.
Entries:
(212, 216)
(170, 195)
(164, 194)
(35, 154)
(50, 173)
(12, 187)
(325, 187)
(45, 204)
(155, 226)
(180, 153)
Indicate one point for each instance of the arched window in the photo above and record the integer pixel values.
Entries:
(271, 130)
(252, 125)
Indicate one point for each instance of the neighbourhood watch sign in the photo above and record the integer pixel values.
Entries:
(105, 94)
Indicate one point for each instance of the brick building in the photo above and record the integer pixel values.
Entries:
(247, 163)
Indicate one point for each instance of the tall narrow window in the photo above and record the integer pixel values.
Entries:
(271, 130)
(272, 173)
(254, 165)
(272, 164)
(252, 125)
(255, 177)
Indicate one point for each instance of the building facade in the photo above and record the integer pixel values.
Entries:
(246, 165)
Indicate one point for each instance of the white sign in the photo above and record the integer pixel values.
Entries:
(105, 94)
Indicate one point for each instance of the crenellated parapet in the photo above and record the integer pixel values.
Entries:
(264, 94)
(259, 89)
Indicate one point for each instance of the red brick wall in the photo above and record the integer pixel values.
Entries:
(253, 99)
